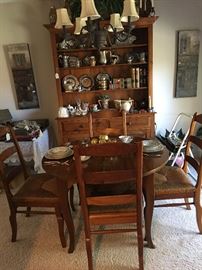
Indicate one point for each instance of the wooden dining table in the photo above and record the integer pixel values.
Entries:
(64, 169)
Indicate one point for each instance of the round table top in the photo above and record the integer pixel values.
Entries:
(65, 168)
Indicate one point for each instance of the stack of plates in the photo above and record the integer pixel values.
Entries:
(59, 152)
(150, 146)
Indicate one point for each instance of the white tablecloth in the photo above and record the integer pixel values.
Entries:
(31, 150)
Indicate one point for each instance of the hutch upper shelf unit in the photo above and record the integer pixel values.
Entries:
(120, 71)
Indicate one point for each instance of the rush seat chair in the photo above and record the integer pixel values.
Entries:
(178, 183)
(30, 197)
(110, 187)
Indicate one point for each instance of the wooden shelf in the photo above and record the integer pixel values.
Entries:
(100, 91)
(64, 70)
(117, 47)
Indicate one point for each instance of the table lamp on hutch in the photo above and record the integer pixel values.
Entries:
(88, 23)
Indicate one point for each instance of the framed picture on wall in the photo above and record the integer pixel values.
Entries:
(188, 43)
(23, 75)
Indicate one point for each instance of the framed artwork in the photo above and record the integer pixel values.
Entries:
(188, 43)
(23, 75)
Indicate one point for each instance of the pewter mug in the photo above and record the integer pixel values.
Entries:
(103, 57)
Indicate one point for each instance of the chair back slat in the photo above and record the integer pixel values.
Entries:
(116, 149)
(193, 162)
(7, 153)
(104, 177)
(198, 118)
(196, 140)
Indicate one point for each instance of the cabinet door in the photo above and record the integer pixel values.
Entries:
(141, 125)
(112, 126)
(74, 128)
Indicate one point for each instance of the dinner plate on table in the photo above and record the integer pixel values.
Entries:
(152, 146)
(59, 152)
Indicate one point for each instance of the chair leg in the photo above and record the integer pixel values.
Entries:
(140, 246)
(198, 212)
(60, 221)
(72, 198)
(13, 223)
(79, 194)
(66, 212)
(89, 253)
(187, 203)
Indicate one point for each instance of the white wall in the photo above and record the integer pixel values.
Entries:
(174, 15)
(22, 21)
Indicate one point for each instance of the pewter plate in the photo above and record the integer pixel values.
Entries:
(86, 82)
(151, 146)
(70, 83)
(59, 153)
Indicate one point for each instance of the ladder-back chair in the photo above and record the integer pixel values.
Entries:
(110, 186)
(30, 196)
(179, 183)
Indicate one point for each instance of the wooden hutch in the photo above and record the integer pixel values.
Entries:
(140, 122)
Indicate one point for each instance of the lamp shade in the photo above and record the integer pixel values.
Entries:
(62, 18)
(129, 9)
(80, 23)
(88, 9)
(115, 21)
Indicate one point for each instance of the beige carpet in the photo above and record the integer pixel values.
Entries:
(178, 244)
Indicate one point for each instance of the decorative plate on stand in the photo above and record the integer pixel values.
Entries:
(70, 83)
(86, 82)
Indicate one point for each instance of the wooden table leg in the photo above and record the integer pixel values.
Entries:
(148, 190)
(71, 197)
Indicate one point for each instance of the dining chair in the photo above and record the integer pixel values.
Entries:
(109, 122)
(110, 186)
(179, 183)
(30, 195)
